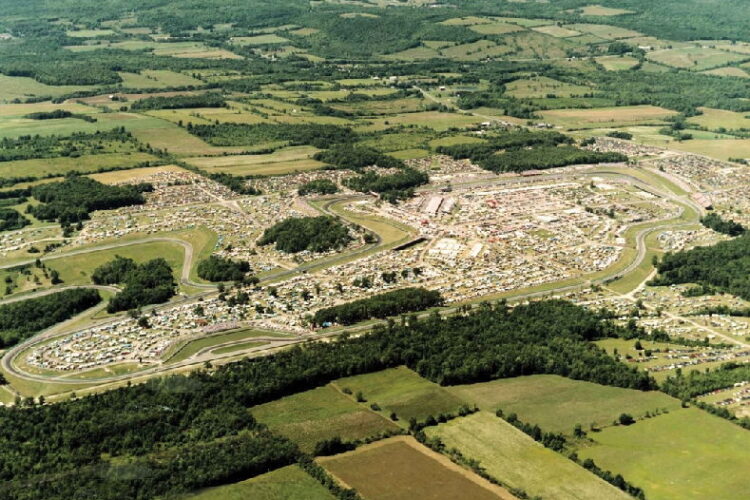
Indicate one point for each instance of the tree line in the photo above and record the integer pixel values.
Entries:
(725, 266)
(216, 268)
(149, 283)
(379, 306)
(717, 223)
(207, 100)
(391, 187)
(22, 319)
(155, 425)
(70, 201)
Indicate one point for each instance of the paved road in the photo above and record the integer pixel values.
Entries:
(49, 291)
(186, 264)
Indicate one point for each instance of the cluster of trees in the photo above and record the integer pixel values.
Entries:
(728, 227)
(379, 306)
(59, 114)
(239, 134)
(357, 157)
(318, 186)
(725, 266)
(391, 187)
(543, 157)
(194, 426)
(22, 319)
(70, 201)
(552, 440)
(11, 220)
(698, 383)
(237, 184)
(207, 100)
(36, 146)
(149, 283)
(511, 140)
(217, 268)
(314, 234)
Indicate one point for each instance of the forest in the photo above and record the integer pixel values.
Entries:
(318, 186)
(10, 220)
(177, 422)
(357, 157)
(22, 319)
(725, 266)
(70, 201)
(312, 234)
(717, 223)
(38, 146)
(207, 100)
(143, 284)
(216, 268)
(391, 187)
(236, 134)
(379, 306)
(543, 157)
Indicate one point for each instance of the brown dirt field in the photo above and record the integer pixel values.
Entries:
(400, 468)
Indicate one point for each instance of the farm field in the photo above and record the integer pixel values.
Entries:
(20, 87)
(541, 87)
(728, 71)
(118, 176)
(695, 58)
(282, 161)
(604, 31)
(402, 469)
(557, 404)
(319, 414)
(509, 455)
(617, 63)
(435, 120)
(287, 483)
(48, 167)
(403, 392)
(572, 119)
(150, 79)
(714, 119)
(722, 149)
(687, 454)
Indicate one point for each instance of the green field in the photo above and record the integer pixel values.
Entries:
(695, 58)
(542, 86)
(509, 455)
(154, 79)
(20, 87)
(713, 119)
(60, 166)
(194, 346)
(617, 63)
(77, 269)
(606, 117)
(402, 391)
(402, 469)
(557, 404)
(323, 413)
(287, 483)
(237, 347)
(282, 161)
(686, 454)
